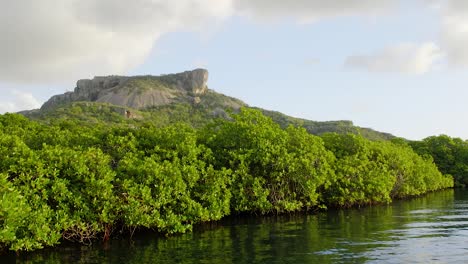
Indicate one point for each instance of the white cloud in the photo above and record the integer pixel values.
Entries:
(454, 31)
(452, 41)
(54, 40)
(311, 10)
(20, 101)
(407, 58)
(453, 37)
(67, 39)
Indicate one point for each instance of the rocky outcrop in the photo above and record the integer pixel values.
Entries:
(137, 92)
(190, 81)
(89, 90)
(86, 90)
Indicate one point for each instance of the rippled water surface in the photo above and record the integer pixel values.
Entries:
(430, 229)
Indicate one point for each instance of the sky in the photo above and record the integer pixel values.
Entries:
(394, 66)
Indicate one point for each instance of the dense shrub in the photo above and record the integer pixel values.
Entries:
(373, 172)
(273, 169)
(449, 154)
(66, 180)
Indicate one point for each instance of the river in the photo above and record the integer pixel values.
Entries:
(428, 229)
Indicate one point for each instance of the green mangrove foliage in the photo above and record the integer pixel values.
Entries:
(165, 180)
(373, 172)
(450, 155)
(73, 180)
(272, 169)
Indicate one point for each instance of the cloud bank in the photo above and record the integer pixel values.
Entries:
(54, 40)
(408, 58)
(64, 39)
(20, 101)
(454, 31)
(310, 10)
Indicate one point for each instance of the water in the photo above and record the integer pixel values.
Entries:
(430, 229)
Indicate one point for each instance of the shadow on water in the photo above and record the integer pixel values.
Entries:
(433, 228)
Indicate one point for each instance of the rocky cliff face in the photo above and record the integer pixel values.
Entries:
(190, 81)
(137, 92)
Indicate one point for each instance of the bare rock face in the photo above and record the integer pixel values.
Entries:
(194, 81)
(136, 92)
(89, 90)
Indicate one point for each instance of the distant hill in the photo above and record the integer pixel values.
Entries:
(160, 100)
(320, 127)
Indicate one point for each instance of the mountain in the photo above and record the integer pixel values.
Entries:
(179, 97)
(141, 92)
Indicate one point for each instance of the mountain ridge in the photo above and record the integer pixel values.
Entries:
(164, 99)
(135, 91)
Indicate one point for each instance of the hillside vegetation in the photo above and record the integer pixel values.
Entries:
(213, 105)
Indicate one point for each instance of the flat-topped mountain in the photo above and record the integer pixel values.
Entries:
(137, 92)
(164, 99)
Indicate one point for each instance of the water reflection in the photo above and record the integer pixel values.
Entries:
(433, 229)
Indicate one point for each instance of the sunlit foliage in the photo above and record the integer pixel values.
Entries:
(78, 180)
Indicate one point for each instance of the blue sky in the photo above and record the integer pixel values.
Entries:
(394, 66)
